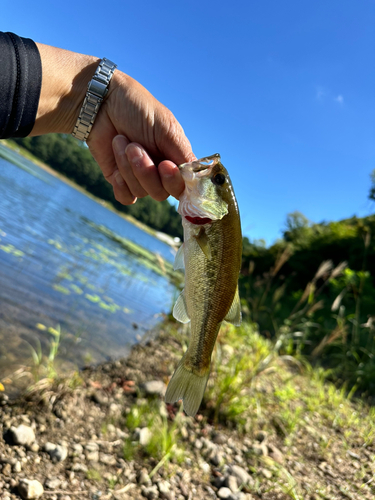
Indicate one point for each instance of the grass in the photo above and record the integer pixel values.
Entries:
(164, 443)
(252, 386)
(43, 368)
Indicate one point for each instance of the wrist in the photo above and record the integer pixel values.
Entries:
(65, 76)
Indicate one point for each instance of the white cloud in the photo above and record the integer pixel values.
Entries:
(339, 99)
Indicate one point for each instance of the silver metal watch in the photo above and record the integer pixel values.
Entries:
(97, 89)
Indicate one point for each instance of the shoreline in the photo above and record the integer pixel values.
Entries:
(106, 433)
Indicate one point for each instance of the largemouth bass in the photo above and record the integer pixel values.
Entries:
(211, 255)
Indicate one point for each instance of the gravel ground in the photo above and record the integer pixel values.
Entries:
(65, 443)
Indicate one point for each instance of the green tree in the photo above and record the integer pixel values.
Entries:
(372, 189)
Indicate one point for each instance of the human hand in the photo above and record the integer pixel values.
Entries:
(130, 120)
(138, 143)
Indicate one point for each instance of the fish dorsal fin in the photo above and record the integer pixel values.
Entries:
(234, 314)
(179, 262)
(179, 310)
(203, 242)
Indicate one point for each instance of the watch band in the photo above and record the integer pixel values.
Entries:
(97, 89)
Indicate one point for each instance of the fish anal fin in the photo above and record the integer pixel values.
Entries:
(203, 242)
(179, 310)
(188, 386)
(179, 262)
(234, 315)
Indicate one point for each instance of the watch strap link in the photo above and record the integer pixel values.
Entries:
(97, 89)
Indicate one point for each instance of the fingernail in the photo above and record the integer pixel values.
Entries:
(120, 181)
(134, 153)
(119, 144)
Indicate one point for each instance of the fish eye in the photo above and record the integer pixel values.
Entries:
(219, 179)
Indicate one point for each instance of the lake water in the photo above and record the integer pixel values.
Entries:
(56, 268)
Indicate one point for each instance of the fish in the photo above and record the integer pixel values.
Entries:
(211, 256)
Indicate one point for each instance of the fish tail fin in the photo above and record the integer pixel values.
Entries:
(188, 386)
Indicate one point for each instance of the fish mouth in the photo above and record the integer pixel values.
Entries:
(202, 165)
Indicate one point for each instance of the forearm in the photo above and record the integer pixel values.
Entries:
(65, 76)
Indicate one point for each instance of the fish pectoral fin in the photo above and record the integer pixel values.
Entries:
(179, 310)
(188, 386)
(204, 243)
(179, 262)
(234, 315)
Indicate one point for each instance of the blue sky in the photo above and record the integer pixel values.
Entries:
(283, 90)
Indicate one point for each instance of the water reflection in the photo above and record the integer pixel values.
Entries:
(57, 268)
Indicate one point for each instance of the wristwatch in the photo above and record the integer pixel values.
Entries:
(97, 89)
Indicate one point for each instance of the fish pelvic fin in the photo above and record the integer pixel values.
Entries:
(188, 386)
(234, 315)
(179, 261)
(179, 310)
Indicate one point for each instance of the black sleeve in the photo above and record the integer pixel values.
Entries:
(20, 84)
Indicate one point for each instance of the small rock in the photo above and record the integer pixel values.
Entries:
(3, 398)
(22, 435)
(57, 452)
(52, 483)
(79, 468)
(92, 446)
(150, 492)
(92, 456)
(12, 483)
(184, 432)
(20, 452)
(205, 467)
(92, 451)
(219, 438)
(154, 388)
(198, 444)
(99, 398)
(34, 447)
(77, 449)
(107, 459)
(30, 489)
(111, 429)
(143, 477)
(165, 490)
(7, 470)
(144, 436)
(224, 492)
(17, 467)
(354, 455)
(7, 460)
(241, 474)
(114, 409)
(231, 483)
